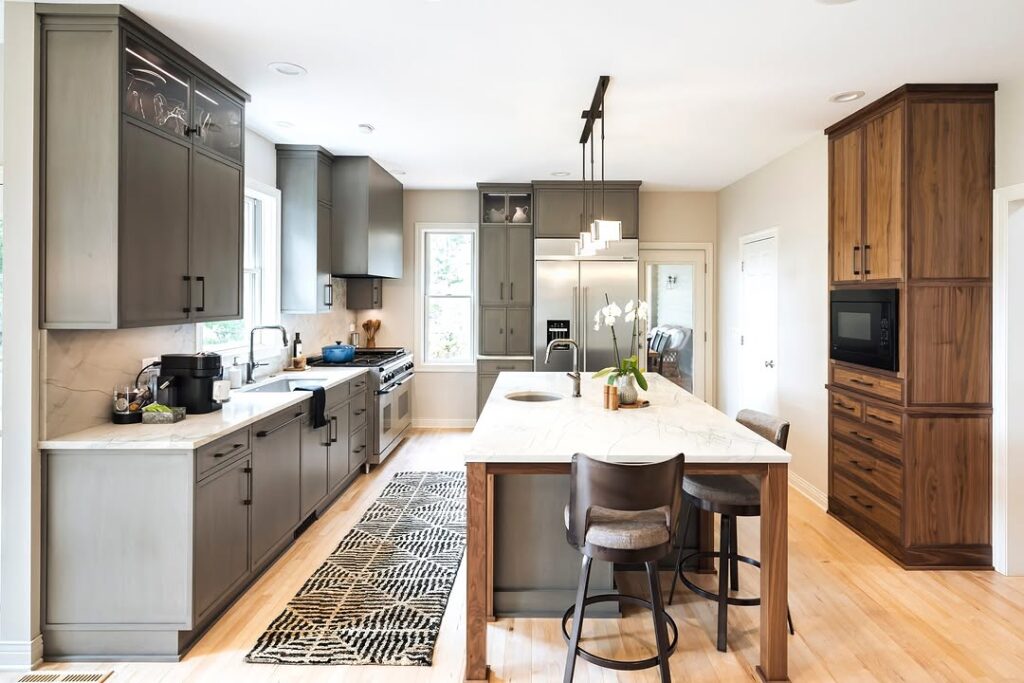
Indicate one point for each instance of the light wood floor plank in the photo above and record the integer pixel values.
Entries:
(858, 616)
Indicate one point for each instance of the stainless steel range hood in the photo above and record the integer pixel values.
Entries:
(366, 220)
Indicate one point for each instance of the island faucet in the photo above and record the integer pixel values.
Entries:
(252, 364)
(575, 374)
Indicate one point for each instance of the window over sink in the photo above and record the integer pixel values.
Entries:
(446, 311)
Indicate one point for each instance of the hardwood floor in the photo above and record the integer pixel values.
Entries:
(858, 616)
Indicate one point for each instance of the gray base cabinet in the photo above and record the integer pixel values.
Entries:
(487, 372)
(560, 207)
(143, 550)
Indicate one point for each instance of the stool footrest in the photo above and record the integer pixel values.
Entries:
(617, 664)
(711, 595)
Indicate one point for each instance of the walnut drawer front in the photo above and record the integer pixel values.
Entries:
(220, 451)
(868, 438)
(884, 387)
(883, 418)
(856, 464)
(867, 505)
(847, 407)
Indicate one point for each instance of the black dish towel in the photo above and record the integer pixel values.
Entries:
(319, 407)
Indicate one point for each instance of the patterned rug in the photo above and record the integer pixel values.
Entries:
(380, 596)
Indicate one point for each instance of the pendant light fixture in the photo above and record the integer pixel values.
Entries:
(601, 229)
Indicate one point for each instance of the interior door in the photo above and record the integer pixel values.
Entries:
(845, 216)
(614, 281)
(673, 283)
(759, 327)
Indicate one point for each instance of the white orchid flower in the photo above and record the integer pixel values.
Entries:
(609, 320)
(597, 327)
(612, 310)
(642, 310)
(629, 306)
(597, 316)
(630, 315)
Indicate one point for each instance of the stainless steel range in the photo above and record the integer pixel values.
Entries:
(391, 375)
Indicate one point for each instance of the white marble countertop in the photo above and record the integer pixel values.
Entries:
(244, 408)
(552, 431)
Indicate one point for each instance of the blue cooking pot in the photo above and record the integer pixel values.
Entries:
(339, 353)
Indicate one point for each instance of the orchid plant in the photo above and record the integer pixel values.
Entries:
(636, 315)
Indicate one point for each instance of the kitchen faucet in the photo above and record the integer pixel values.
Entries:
(251, 366)
(575, 374)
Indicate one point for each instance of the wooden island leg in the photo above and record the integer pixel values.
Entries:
(774, 573)
(477, 534)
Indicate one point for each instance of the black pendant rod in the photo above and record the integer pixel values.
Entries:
(596, 109)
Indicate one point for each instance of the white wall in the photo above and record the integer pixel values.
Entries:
(1010, 133)
(791, 195)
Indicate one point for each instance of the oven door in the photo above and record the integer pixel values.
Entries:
(864, 331)
(394, 412)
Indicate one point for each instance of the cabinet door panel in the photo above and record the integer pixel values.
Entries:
(313, 483)
(492, 331)
(215, 260)
(222, 534)
(338, 452)
(324, 294)
(275, 486)
(559, 212)
(484, 384)
(620, 205)
(883, 238)
(154, 229)
(520, 265)
(845, 216)
(519, 342)
(493, 266)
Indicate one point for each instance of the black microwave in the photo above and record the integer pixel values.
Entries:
(865, 327)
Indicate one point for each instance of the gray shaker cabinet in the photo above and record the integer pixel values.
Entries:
(303, 176)
(518, 341)
(313, 455)
(520, 265)
(560, 207)
(275, 483)
(338, 452)
(492, 331)
(221, 534)
(493, 265)
(138, 221)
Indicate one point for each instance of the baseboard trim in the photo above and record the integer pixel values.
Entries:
(21, 655)
(443, 423)
(813, 493)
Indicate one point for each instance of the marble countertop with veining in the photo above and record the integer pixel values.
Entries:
(676, 422)
(244, 408)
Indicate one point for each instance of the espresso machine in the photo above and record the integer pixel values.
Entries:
(189, 380)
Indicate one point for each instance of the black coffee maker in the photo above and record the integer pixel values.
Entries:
(191, 377)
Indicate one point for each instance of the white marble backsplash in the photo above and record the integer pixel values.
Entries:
(81, 367)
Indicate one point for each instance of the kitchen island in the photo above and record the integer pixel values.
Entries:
(514, 439)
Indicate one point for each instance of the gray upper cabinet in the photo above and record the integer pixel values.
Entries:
(364, 293)
(505, 278)
(151, 234)
(367, 220)
(304, 178)
(559, 207)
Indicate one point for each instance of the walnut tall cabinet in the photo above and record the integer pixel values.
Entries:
(910, 207)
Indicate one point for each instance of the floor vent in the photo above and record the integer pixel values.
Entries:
(69, 677)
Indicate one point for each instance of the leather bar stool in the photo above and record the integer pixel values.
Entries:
(730, 496)
(625, 514)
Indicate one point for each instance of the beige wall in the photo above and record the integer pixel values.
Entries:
(1010, 133)
(790, 194)
(678, 216)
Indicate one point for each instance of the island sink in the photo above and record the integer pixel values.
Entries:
(533, 396)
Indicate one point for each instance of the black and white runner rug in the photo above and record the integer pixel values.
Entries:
(379, 597)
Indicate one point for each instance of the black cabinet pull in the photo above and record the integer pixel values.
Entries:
(501, 292)
(247, 501)
(202, 293)
(263, 433)
(191, 130)
(360, 411)
(856, 499)
(511, 291)
(856, 251)
(856, 463)
(867, 249)
(334, 424)
(357, 450)
(220, 455)
(884, 419)
(188, 294)
(328, 295)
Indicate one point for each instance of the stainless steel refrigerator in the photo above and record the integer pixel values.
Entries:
(570, 289)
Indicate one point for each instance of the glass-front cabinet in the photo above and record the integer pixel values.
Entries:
(499, 208)
(218, 121)
(156, 90)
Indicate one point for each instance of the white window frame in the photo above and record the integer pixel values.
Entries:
(270, 314)
(420, 345)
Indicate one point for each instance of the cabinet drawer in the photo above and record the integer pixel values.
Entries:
(867, 505)
(339, 394)
(491, 367)
(847, 407)
(357, 449)
(857, 464)
(868, 438)
(883, 419)
(220, 451)
(883, 387)
(356, 385)
(357, 412)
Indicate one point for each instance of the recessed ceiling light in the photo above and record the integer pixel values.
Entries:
(835, 2)
(284, 124)
(848, 96)
(366, 128)
(560, 174)
(287, 68)
(398, 171)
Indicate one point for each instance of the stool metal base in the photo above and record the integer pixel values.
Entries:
(703, 592)
(618, 664)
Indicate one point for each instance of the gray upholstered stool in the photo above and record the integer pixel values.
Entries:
(625, 514)
(731, 497)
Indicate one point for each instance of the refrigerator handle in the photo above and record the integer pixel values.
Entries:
(574, 323)
(586, 290)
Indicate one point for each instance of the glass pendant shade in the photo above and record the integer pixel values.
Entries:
(586, 246)
(606, 231)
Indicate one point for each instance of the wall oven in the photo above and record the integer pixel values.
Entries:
(865, 327)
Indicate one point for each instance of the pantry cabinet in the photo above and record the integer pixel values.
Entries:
(142, 156)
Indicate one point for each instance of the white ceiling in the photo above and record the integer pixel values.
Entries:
(702, 93)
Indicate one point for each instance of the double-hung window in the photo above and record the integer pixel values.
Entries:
(448, 285)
